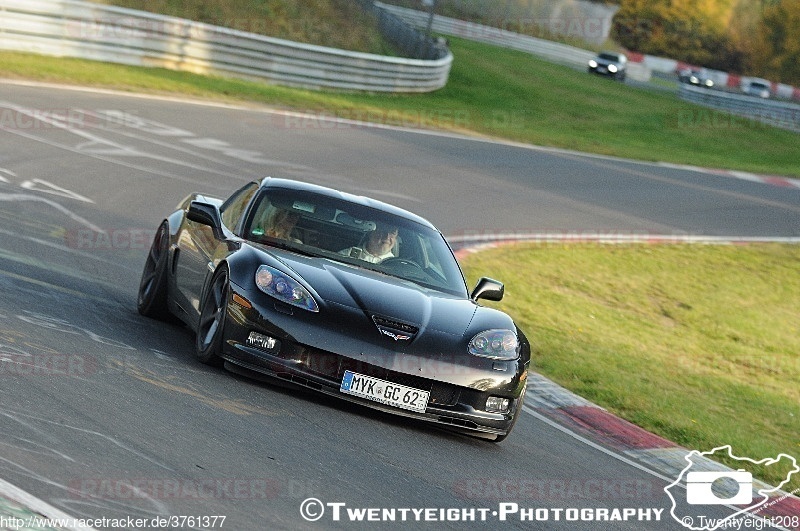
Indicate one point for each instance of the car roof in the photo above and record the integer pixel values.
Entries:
(301, 186)
(612, 55)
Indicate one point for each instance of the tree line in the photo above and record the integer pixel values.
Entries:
(750, 37)
(758, 38)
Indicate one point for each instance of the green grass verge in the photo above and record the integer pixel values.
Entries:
(492, 92)
(697, 343)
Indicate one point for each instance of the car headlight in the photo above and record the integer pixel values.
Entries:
(612, 68)
(495, 344)
(284, 288)
(593, 63)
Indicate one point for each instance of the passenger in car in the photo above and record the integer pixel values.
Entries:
(280, 224)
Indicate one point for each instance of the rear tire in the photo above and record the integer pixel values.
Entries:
(213, 314)
(152, 298)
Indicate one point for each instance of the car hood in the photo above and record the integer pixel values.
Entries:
(392, 301)
(428, 331)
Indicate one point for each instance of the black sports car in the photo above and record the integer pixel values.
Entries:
(341, 294)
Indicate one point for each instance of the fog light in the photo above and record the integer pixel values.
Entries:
(496, 404)
(261, 341)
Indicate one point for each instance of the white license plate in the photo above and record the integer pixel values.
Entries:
(388, 393)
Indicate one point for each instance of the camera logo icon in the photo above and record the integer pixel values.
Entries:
(738, 484)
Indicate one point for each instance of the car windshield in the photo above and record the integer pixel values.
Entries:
(337, 229)
(610, 57)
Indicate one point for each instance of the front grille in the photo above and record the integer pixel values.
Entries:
(333, 367)
(367, 369)
(444, 394)
(395, 325)
(321, 362)
(458, 422)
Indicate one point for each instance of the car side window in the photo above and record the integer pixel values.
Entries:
(233, 209)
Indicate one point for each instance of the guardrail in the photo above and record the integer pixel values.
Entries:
(73, 28)
(779, 114)
(551, 51)
(406, 39)
(548, 50)
(720, 78)
(785, 115)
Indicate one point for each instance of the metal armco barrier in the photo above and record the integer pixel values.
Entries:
(779, 114)
(548, 50)
(72, 28)
(551, 51)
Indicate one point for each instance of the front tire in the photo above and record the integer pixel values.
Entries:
(152, 298)
(213, 314)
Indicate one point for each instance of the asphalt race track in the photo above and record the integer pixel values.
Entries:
(106, 413)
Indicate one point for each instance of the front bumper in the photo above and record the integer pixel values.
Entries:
(603, 71)
(458, 407)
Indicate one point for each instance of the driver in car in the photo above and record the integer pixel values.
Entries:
(378, 246)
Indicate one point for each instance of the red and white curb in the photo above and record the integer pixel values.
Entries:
(660, 455)
(772, 180)
(591, 423)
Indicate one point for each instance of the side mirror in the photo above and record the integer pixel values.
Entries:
(205, 214)
(489, 289)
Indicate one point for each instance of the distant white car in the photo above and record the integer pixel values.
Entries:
(609, 64)
(696, 77)
(758, 87)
